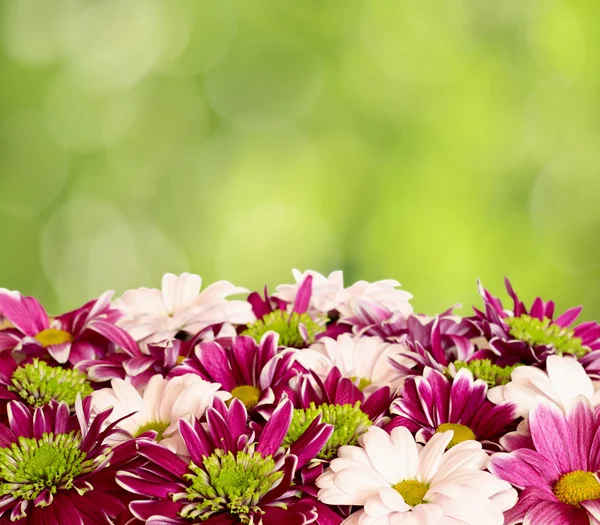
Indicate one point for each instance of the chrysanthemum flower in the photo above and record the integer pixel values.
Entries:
(366, 360)
(53, 467)
(86, 333)
(432, 404)
(563, 381)
(396, 480)
(530, 336)
(232, 476)
(255, 373)
(157, 315)
(559, 478)
(158, 410)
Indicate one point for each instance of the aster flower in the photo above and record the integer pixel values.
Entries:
(366, 360)
(255, 373)
(86, 333)
(530, 336)
(558, 478)
(157, 411)
(396, 480)
(432, 404)
(54, 467)
(233, 477)
(156, 315)
(563, 381)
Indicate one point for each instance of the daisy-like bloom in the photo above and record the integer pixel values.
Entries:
(255, 373)
(158, 410)
(432, 404)
(157, 315)
(366, 360)
(54, 467)
(529, 336)
(233, 476)
(396, 480)
(296, 326)
(558, 477)
(37, 383)
(86, 333)
(563, 381)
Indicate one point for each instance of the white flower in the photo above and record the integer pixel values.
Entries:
(163, 403)
(397, 481)
(156, 315)
(564, 380)
(328, 293)
(364, 359)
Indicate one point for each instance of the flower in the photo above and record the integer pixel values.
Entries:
(530, 336)
(366, 360)
(233, 477)
(432, 404)
(54, 465)
(396, 480)
(255, 373)
(86, 333)
(558, 478)
(564, 380)
(156, 315)
(159, 409)
(326, 291)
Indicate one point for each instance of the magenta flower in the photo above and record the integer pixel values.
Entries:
(234, 476)
(559, 477)
(83, 334)
(529, 336)
(54, 467)
(255, 373)
(432, 404)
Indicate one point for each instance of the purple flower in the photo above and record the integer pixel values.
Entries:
(86, 333)
(257, 374)
(234, 475)
(432, 404)
(558, 478)
(54, 465)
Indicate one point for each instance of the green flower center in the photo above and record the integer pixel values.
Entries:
(577, 486)
(247, 394)
(53, 336)
(287, 326)
(38, 383)
(156, 426)
(493, 375)
(229, 483)
(412, 491)
(461, 433)
(30, 466)
(535, 332)
(349, 423)
(361, 382)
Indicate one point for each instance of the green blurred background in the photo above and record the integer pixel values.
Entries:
(433, 142)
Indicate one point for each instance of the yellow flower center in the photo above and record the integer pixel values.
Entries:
(363, 382)
(157, 426)
(53, 336)
(247, 394)
(461, 433)
(577, 486)
(412, 491)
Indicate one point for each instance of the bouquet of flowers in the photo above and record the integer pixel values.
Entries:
(317, 404)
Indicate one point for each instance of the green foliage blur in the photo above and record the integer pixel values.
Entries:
(435, 142)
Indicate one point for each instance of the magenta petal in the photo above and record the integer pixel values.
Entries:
(303, 296)
(568, 317)
(116, 335)
(524, 468)
(163, 457)
(26, 313)
(276, 429)
(547, 513)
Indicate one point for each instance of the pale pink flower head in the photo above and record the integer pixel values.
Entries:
(157, 315)
(396, 480)
(157, 411)
(325, 294)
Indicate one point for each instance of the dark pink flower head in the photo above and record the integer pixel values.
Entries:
(83, 334)
(559, 477)
(232, 477)
(433, 403)
(256, 373)
(529, 336)
(55, 465)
